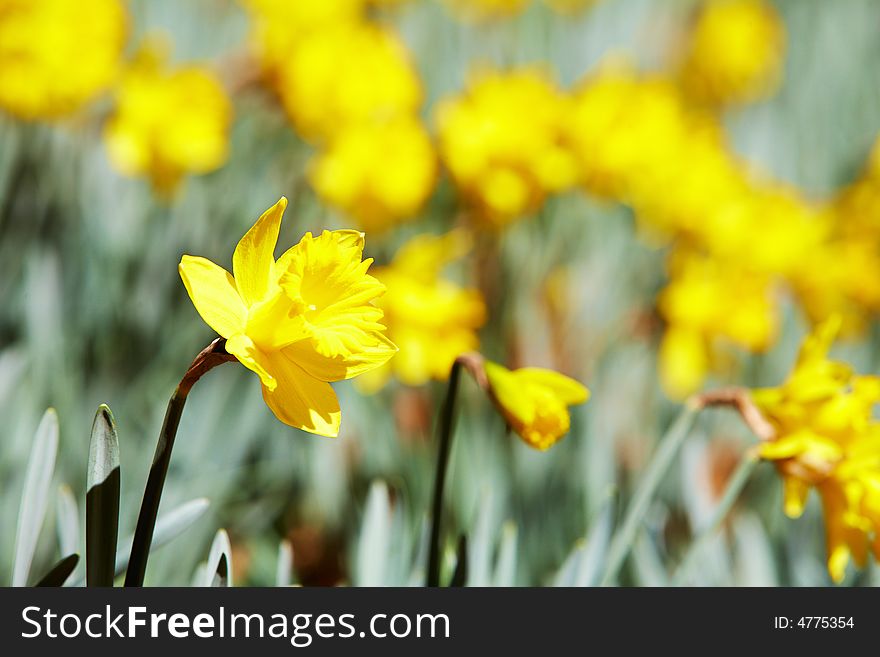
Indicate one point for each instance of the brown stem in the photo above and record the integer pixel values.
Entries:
(740, 400)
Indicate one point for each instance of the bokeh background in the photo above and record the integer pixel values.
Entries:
(92, 309)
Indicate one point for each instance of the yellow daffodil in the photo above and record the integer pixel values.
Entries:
(167, 123)
(708, 304)
(347, 75)
(57, 55)
(505, 160)
(535, 401)
(345, 173)
(431, 319)
(827, 438)
(299, 322)
(735, 52)
(277, 26)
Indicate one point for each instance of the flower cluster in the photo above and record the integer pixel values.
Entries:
(827, 439)
(349, 86)
(39, 39)
(167, 123)
(506, 160)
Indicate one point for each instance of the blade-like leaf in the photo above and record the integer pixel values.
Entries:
(102, 500)
(505, 568)
(37, 482)
(460, 574)
(284, 570)
(60, 572)
(67, 520)
(219, 569)
(168, 527)
(375, 538)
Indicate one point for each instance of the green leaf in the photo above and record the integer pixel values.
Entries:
(67, 520)
(505, 568)
(219, 569)
(284, 569)
(37, 482)
(168, 527)
(460, 574)
(102, 500)
(60, 572)
(375, 538)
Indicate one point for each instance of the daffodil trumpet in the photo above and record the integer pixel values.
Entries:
(211, 356)
(534, 404)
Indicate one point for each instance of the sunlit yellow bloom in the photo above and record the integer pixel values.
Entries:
(709, 305)
(624, 128)
(277, 26)
(56, 55)
(827, 439)
(535, 402)
(167, 123)
(377, 173)
(503, 158)
(431, 319)
(735, 52)
(350, 74)
(299, 322)
(486, 10)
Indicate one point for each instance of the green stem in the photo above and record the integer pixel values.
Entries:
(445, 429)
(731, 494)
(213, 355)
(670, 443)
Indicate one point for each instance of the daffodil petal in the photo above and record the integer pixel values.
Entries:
(214, 294)
(300, 400)
(567, 390)
(249, 355)
(253, 262)
(342, 366)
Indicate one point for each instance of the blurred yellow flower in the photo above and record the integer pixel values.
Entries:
(431, 319)
(299, 322)
(827, 439)
(350, 74)
(377, 173)
(709, 304)
(504, 159)
(57, 55)
(167, 123)
(277, 26)
(535, 402)
(735, 52)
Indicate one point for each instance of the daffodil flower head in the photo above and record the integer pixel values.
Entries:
(167, 122)
(299, 322)
(433, 320)
(826, 438)
(535, 401)
(736, 51)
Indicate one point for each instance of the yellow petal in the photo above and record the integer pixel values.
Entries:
(213, 293)
(795, 494)
(249, 355)
(341, 366)
(253, 262)
(301, 400)
(567, 390)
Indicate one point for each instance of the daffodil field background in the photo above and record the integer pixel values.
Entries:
(92, 310)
